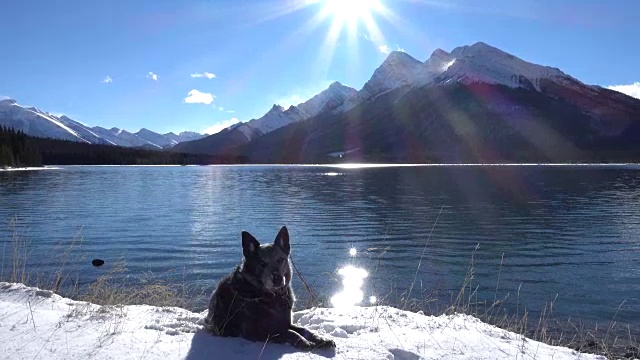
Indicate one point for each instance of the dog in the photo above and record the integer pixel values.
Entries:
(256, 300)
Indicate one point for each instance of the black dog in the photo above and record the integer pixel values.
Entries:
(255, 301)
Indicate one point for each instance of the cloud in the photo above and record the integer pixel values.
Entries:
(107, 80)
(216, 128)
(207, 75)
(631, 90)
(385, 49)
(221, 108)
(152, 76)
(293, 99)
(231, 111)
(196, 97)
(398, 48)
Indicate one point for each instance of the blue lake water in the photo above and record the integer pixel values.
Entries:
(568, 234)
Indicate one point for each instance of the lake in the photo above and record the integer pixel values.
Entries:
(538, 234)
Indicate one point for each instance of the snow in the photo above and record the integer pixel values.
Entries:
(29, 168)
(37, 324)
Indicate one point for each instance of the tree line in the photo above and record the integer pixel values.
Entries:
(19, 150)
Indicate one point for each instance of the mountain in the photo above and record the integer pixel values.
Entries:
(121, 137)
(476, 103)
(184, 136)
(35, 122)
(327, 101)
(160, 140)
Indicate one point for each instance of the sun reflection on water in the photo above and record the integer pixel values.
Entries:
(352, 281)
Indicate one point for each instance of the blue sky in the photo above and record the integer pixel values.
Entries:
(133, 64)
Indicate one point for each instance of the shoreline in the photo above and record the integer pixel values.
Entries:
(61, 328)
(47, 167)
(347, 165)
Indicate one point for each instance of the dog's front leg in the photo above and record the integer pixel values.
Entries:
(293, 338)
(318, 341)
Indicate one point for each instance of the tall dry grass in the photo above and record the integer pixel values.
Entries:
(110, 288)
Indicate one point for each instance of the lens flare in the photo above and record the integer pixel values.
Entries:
(352, 281)
(353, 252)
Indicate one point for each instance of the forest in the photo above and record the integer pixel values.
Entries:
(20, 150)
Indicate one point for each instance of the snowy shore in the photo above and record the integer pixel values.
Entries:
(27, 168)
(37, 324)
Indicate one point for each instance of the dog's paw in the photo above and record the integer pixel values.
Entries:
(324, 343)
(304, 344)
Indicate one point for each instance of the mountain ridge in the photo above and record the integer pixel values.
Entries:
(35, 122)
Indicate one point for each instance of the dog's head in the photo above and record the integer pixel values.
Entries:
(267, 265)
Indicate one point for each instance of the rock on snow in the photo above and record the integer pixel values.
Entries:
(37, 324)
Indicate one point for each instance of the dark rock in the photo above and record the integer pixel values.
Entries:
(97, 262)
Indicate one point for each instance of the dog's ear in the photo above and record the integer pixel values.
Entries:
(282, 240)
(249, 244)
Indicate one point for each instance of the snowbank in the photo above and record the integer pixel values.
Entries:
(37, 324)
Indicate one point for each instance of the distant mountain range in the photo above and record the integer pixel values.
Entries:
(36, 122)
(326, 102)
(474, 104)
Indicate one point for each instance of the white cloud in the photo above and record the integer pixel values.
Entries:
(231, 111)
(107, 80)
(631, 90)
(216, 128)
(221, 108)
(207, 75)
(196, 97)
(293, 99)
(385, 49)
(152, 76)
(398, 48)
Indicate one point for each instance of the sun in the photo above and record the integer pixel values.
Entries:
(351, 10)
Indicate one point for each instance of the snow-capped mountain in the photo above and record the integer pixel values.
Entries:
(122, 137)
(157, 139)
(327, 101)
(477, 63)
(486, 64)
(35, 122)
(476, 103)
(184, 136)
(399, 69)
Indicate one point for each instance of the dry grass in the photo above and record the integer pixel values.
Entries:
(110, 288)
